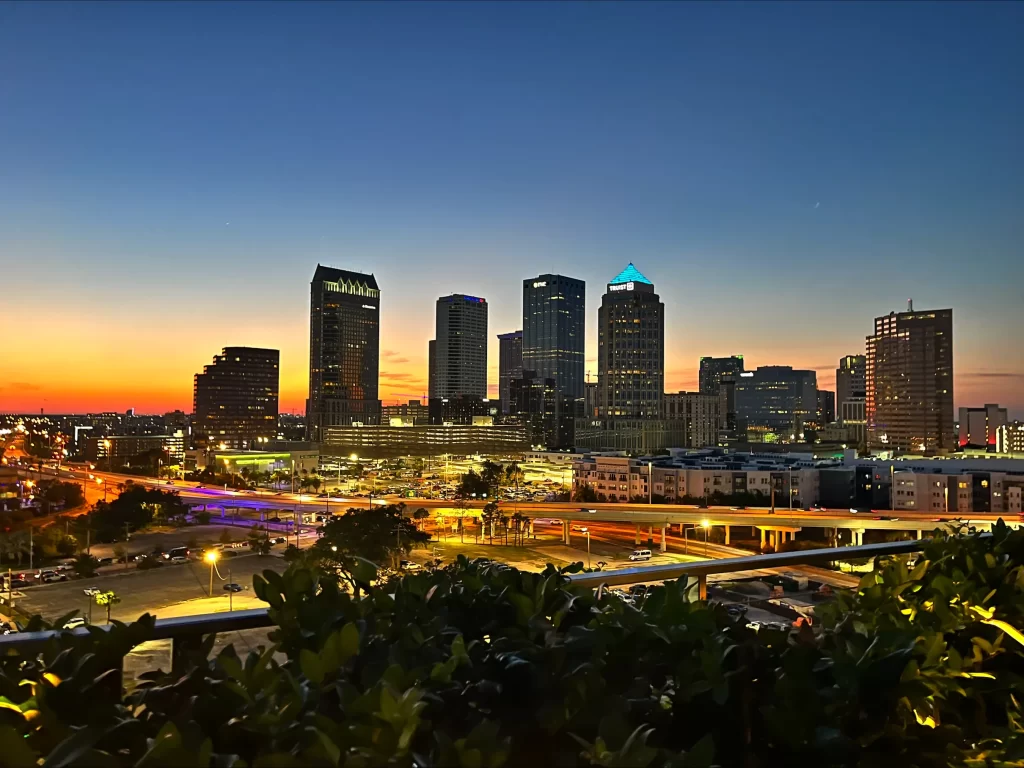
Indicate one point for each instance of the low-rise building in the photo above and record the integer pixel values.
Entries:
(119, 449)
(1010, 438)
(232, 462)
(386, 441)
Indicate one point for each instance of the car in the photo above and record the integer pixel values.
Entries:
(179, 559)
(74, 623)
(169, 482)
(409, 565)
(640, 554)
(106, 561)
(232, 587)
(279, 540)
(580, 528)
(274, 519)
(91, 591)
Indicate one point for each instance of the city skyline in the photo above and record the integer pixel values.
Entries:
(758, 189)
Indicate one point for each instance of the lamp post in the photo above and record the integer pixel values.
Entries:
(706, 526)
(211, 558)
(588, 548)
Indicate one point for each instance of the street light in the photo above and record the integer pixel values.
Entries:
(705, 525)
(588, 548)
(211, 558)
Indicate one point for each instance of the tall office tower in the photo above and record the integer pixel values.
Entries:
(701, 414)
(977, 427)
(909, 382)
(344, 350)
(727, 404)
(554, 325)
(826, 407)
(776, 399)
(849, 379)
(631, 348)
(432, 368)
(591, 399)
(460, 350)
(510, 365)
(234, 399)
(712, 369)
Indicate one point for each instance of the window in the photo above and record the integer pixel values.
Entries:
(984, 483)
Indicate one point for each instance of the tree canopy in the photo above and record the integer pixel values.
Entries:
(379, 534)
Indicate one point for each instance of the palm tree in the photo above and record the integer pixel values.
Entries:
(487, 518)
(514, 474)
(20, 545)
(517, 527)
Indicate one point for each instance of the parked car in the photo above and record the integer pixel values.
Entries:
(409, 565)
(75, 623)
(279, 540)
(580, 528)
(106, 561)
(91, 591)
(232, 587)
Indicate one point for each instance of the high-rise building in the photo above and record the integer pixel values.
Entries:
(460, 349)
(712, 369)
(344, 350)
(978, 426)
(776, 399)
(535, 404)
(909, 382)
(235, 398)
(631, 348)
(701, 413)
(510, 364)
(826, 411)
(850, 381)
(554, 331)
(432, 368)
(591, 399)
(1010, 438)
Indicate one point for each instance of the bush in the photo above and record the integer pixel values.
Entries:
(479, 664)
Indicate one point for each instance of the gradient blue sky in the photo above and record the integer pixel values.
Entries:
(170, 174)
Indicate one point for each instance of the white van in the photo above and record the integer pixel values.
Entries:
(640, 554)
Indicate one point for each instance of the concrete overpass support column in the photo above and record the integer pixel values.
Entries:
(727, 537)
(664, 544)
(650, 535)
(681, 529)
(531, 528)
(565, 531)
(762, 538)
(920, 534)
(637, 539)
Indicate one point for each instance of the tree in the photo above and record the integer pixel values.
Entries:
(514, 474)
(134, 509)
(488, 517)
(585, 494)
(461, 505)
(420, 514)
(492, 473)
(381, 535)
(107, 600)
(225, 536)
(472, 485)
(259, 541)
(202, 517)
(120, 554)
(86, 565)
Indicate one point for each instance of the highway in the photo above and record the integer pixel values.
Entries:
(637, 514)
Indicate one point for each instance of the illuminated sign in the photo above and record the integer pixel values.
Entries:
(540, 284)
(623, 287)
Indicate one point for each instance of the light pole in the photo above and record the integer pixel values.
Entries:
(650, 482)
(588, 548)
(211, 558)
(706, 526)
(106, 446)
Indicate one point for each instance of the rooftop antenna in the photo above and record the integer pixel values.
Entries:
(910, 305)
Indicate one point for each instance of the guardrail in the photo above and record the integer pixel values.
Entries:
(186, 632)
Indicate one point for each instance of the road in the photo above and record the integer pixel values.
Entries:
(144, 591)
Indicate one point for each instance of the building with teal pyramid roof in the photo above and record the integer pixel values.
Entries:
(629, 275)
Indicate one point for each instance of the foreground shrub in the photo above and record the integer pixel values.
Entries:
(480, 665)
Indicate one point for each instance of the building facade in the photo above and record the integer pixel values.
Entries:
(344, 350)
(909, 382)
(1010, 438)
(777, 400)
(385, 441)
(712, 369)
(850, 379)
(701, 414)
(978, 426)
(853, 416)
(119, 450)
(631, 348)
(235, 398)
(412, 412)
(510, 365)
(826, 412)
(460, 346)
(554, 331)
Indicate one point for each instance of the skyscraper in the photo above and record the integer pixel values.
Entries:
(510, 365)
(460, 349)
(849, 379)
(909, 382)
(776, 399)
(554, 324)
(344, 350)
(826, 408)
(631, 348)
(712, 369)
(234, 399)
(432, 368)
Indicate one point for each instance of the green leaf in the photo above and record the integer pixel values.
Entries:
(348, 641)
(332, 750)
(311, 666)
(73, 748)
(14, 750)
(701, 754)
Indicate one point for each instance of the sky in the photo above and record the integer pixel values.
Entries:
(172, 173)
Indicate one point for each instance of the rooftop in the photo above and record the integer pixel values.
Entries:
(629, 275)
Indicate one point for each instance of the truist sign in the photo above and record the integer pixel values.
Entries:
(621, 287)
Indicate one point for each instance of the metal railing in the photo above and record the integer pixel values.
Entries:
(186, 632)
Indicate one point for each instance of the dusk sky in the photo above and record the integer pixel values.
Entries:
(171, 174)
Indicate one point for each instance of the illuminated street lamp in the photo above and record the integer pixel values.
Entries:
(211, 558)
(706, 526)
